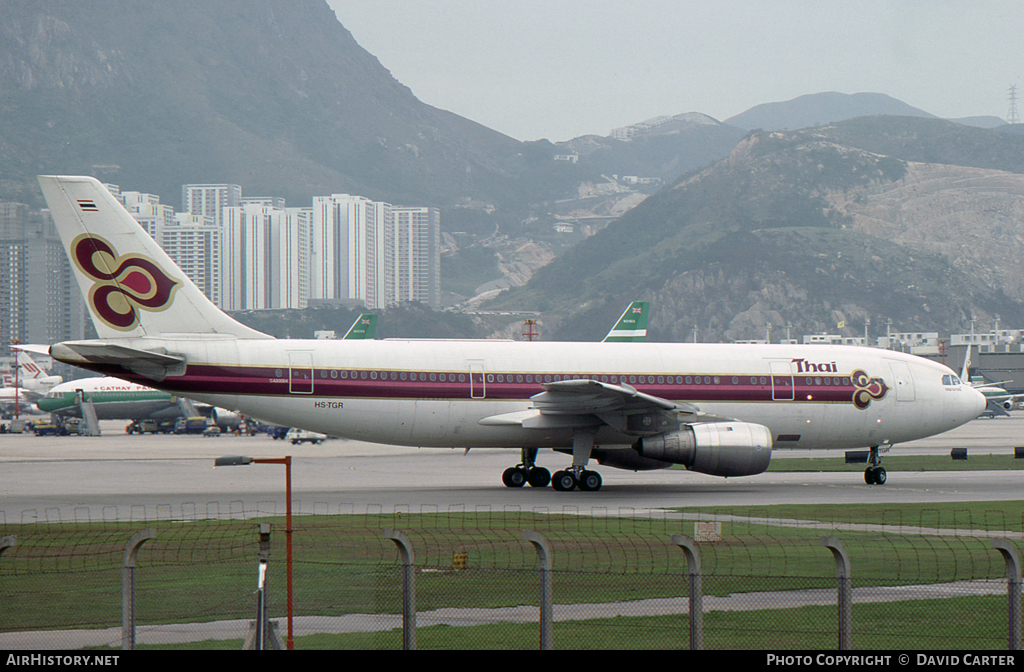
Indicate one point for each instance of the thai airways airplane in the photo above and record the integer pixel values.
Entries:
(717, 409)
(32, 383)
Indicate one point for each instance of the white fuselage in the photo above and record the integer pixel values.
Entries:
(435, 393)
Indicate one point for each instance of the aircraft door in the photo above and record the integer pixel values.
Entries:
(782, 380)
(300, 372)
(903, 381)
(477, 387)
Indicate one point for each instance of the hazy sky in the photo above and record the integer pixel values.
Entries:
(562, 68)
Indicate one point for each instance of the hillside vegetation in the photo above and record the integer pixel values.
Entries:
(814, 227)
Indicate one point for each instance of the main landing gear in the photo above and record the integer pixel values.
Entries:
(571, 478)
(527, 471)
(875, 473)
(576, 476)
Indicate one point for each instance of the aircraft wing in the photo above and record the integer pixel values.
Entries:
(995, 407)
(153, 365)
(590, 403)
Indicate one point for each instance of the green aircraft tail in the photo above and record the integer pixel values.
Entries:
(632, 326)
(365, 327)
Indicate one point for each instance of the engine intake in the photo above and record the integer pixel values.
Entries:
(716, 448)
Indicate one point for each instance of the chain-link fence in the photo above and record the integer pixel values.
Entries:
(617, 581)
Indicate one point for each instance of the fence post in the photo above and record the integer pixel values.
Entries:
(845, 597)
(543, 549)
(689, 547)
(131, 552)
(408, 588)
(1013, 578)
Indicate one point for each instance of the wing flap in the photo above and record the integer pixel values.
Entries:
(592, 396)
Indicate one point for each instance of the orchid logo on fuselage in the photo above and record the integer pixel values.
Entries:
(123, 284)
(867, 388)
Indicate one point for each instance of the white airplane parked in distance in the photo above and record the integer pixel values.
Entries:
(998, 400)
(18, 395)
(715, 408)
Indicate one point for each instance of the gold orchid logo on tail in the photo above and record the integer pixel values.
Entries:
(134, 282)
(867, 389)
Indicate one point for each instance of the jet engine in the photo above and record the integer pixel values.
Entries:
(716, 448)
(227, 420)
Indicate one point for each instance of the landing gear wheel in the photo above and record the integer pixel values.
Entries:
(538, 477)
(563, 481)
(875, 475)
(589, 481)
(514, 477)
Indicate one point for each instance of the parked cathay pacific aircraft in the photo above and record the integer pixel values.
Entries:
(717, 409)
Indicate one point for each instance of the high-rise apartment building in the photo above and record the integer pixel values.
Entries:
(39, 296)
(265, 257)
(374, 252)
(290, 258)
(193, 242)
(210, 200)
(347, 249)
(413, 242)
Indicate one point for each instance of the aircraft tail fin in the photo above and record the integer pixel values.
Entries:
(632, 325)
(364, 328)
(132, 288)
(29, 368)
(967, 366)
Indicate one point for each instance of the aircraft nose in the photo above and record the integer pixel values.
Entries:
(976, 402)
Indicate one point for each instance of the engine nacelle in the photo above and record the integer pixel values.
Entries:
(227, 420)
(1008, 405)
(716, 448)
(628, 459)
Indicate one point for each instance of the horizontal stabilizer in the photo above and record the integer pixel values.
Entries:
(153, 365)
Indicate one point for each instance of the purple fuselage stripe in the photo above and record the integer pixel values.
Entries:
(263, 381)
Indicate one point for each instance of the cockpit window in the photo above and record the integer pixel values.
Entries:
(950, 379)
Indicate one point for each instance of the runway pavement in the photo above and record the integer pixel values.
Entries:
(120, 477)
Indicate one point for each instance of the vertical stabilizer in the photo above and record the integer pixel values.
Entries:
(364, 328)
(632, 325)
(131, 286)
(967, 366)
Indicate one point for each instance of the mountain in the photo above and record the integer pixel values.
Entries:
(274, 95)
(821, 108)
(917, 220)
(665, 147)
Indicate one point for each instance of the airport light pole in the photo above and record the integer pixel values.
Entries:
(17, 405)
(242, 460)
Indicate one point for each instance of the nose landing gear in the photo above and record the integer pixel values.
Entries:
(875, 474)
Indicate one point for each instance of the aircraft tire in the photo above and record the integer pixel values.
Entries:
(538, 477)
(563, 481)
(589, 481)
(513, 477)
(875, 476)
